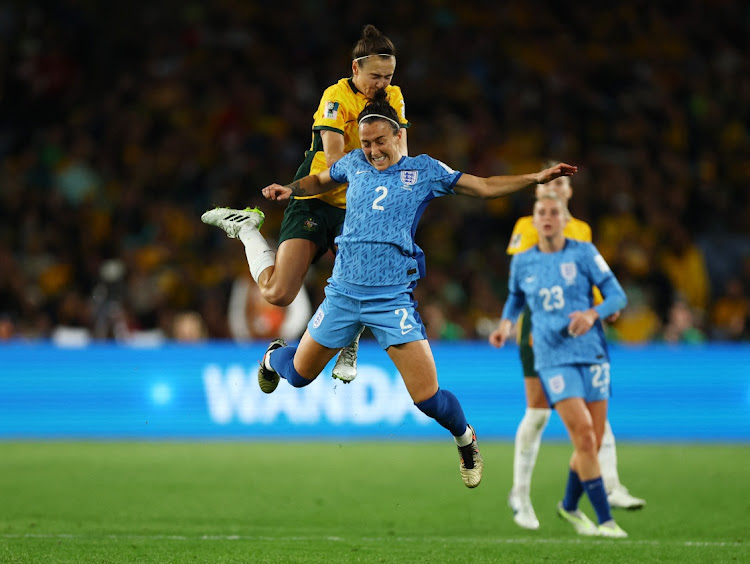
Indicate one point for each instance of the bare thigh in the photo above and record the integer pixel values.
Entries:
(311, 357)
(281, 283)
(416, 365)
(598, 411)
(535, 393)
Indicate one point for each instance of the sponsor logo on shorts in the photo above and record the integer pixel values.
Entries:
(318, 319)
(310, 224)
(557, 384)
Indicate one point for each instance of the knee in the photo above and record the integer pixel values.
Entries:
(277, 295)
(586, 441)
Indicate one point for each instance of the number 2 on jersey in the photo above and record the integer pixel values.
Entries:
(384, 192)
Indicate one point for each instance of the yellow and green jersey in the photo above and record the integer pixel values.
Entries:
(525, 235)
(339, 107)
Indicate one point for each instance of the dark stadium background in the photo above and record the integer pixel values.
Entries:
(121, 122)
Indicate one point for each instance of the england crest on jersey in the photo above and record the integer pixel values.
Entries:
(568, 271)
(409, 177)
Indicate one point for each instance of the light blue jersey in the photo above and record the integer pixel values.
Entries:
(376, 246)
(554, 285)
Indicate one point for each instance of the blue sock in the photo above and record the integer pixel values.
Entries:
(573, 492)
(282, 362)
(444, 408)
(598, 498)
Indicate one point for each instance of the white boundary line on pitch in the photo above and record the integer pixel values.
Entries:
(267, 538)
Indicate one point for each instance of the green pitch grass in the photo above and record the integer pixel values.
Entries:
(352, 502)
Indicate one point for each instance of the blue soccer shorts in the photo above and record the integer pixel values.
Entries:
(588, 381)
(393, 319)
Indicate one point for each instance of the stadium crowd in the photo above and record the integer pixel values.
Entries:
(120, 123)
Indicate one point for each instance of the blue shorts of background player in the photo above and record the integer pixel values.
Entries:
(389, 312)
(588, 381)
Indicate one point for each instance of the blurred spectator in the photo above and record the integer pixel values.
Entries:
(73, 321)
(7, 328)
(681, 325)
(729, 315)
(252, 317)
(113, 143)
(683, 262)
(437, 324)
(188, 327)
(638, 322)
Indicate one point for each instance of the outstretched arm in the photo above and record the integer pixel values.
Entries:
(307, 186)
(497, 186)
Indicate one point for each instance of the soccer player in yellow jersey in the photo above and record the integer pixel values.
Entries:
(311, 224)
(531, 427)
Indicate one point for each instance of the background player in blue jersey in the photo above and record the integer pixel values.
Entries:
(555, 279)
(378, 264)
(531, 427)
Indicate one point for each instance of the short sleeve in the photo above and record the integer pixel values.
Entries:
(599, 270)
(444, 177)
(340, 168)
(396, 99)
(331, 114)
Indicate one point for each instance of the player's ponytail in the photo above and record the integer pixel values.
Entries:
(378, 108)
(372, 44)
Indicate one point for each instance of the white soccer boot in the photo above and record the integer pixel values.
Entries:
(472, 464)
(620, 498)
(346, 363)
(231, 221)
(523, 511)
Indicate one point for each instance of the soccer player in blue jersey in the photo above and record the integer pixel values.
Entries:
(555, 279)
(378, 264)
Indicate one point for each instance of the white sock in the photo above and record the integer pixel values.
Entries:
(608, 459)
(259, 254)
(267, 362)
(464, 439)
(528, 440)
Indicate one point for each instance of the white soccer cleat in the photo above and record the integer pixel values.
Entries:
(472, 464)
(612, 530)
(620, 498)
(268, 379)
(346, 363)
(523, 511)
(231, 221)
(581, 523)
